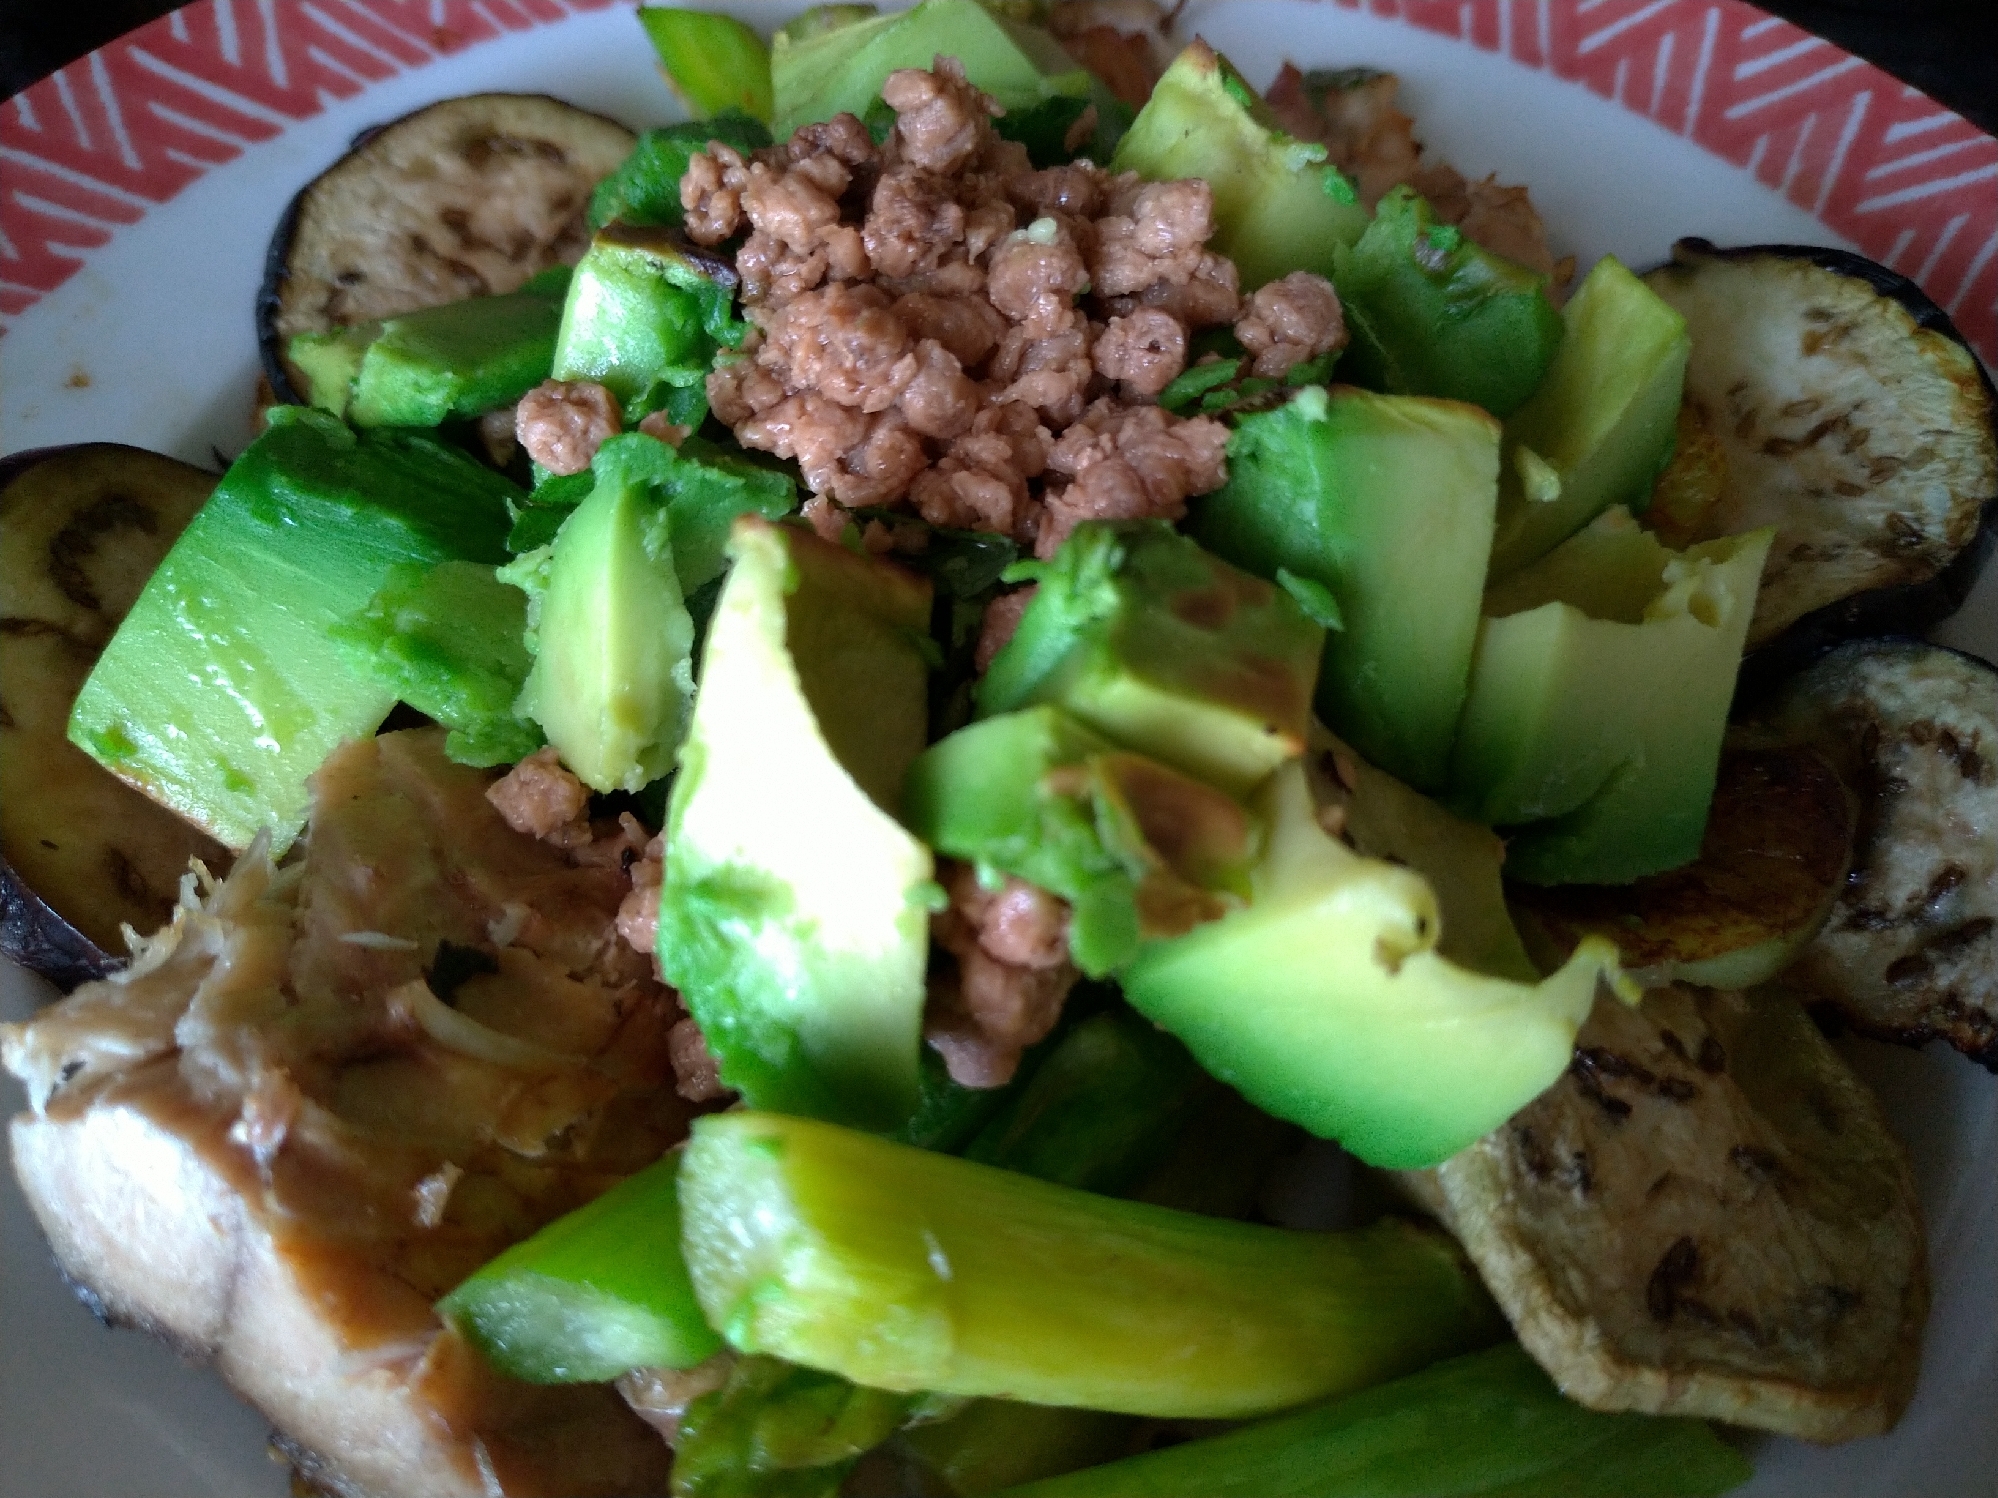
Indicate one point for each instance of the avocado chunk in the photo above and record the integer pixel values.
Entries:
(450, 641)
(1165, 649)
(1325, 1001)
(840, 69)
(459, 359)
(644, 191)
(1385, 502)
(1279, 205)
(1432, 313)
(794, 918)
(608, 624)
(715, 63)
(1598, 698)
(1602, 422)
(224, 689)
(646, 313)
(1137, 849)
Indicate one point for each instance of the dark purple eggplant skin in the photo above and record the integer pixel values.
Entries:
(32, 934)
(1911, 609)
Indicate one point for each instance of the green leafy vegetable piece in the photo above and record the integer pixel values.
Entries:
(645, 189)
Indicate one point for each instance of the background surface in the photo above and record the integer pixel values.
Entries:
(1946, 48)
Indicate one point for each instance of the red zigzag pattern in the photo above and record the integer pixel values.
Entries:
(1911, 184)
(93, 146)
(90, 148)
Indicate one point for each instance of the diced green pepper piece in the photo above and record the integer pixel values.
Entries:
(592, 1295)
(1279, 205)
(905, 1270)
(1489, 1425)
(645, 315)
(713, 61)
(775, 1430)
(1386, 502)
(1325, 1002)
(1164, 648)
(224, 689)
(450, 641)
(1100, 1111)
(1432, 313)
(645, 189)
(1137, 849)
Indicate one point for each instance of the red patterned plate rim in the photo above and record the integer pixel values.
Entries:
(90, 149)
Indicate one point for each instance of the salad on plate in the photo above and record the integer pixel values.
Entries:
(763, 840)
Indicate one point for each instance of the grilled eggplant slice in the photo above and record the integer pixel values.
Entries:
(1852, 417)
(1910, 952)
(1777, 846)
(1707, 1215)
(468, 197)
(81, 853)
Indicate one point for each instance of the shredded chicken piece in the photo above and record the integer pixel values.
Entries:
(562, 423)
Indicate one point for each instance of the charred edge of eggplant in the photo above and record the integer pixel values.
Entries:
(33, 934)
(1911, 607)
(270, 291)
(1834, 1019)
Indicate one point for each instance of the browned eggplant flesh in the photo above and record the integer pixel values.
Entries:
(1828, 398)
(82, 854)
(1910, 951)
(467, 197)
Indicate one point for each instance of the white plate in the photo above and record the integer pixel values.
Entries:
(150, 343)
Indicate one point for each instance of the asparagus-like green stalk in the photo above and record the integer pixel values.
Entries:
(904, 1271)
(1485, 1426)
(593, 1294)
(776, 1431)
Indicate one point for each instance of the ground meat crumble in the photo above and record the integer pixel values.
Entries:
(937, 325)
(1007, 977)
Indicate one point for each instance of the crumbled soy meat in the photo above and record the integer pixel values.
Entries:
(929, 319)
(1001, 622)
(696, 1075)
(1012, 975)
(496, 435)
(1144, 351)
(1130, 461)
(1290, 321)
(562, 423)
(543, 799)
(638, 915)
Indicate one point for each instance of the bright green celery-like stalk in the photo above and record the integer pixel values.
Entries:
(593, 1294)
(904, 1270)
(1489, 1425)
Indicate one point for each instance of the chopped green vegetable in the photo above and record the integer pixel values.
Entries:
(1279, 205)
(645, 189)
(1137, 849)
(592, 1295)
(819, 19)
(1324, 1001)
(1489, 1425)
(995, 1443)
(1383, 503)
(1164, 648)
(775, 1430)
(905, 1270)
(714, 62)
(450, 641)
(841, 68)
(645, 316)
(1433, 313)
(1100, 1111)
(224, 689)
(795, 914)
